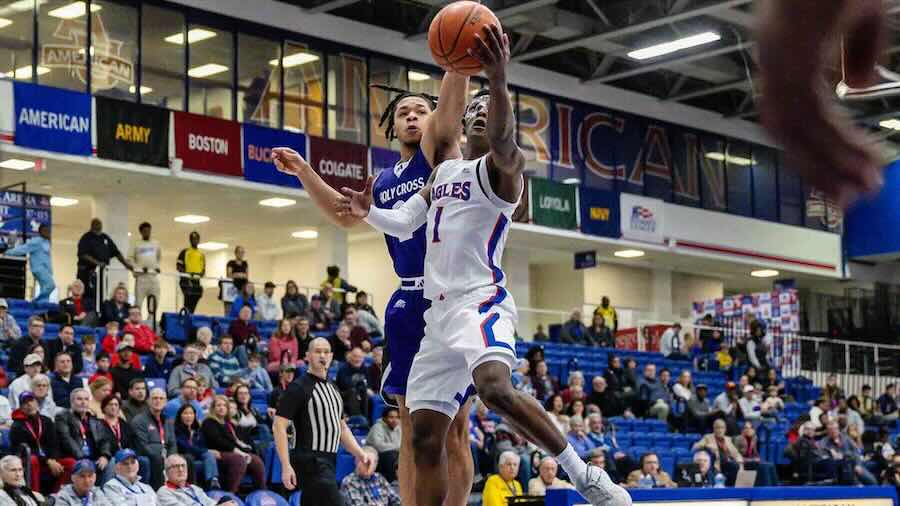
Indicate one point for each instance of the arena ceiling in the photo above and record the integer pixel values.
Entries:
(590, 39)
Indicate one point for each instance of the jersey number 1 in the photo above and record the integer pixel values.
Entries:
(436, 237)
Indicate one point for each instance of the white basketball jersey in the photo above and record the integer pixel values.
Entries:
(467, 229)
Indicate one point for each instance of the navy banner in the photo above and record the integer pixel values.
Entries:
(52, 119)
(258, 144)
(600, 213)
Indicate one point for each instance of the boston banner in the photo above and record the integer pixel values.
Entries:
(554, 204)
(339, 163)
(600, 212)
(208, 144)
(132, 132)
(258, 144)
(53, 119)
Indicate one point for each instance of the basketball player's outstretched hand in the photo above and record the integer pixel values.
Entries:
(820, 143)
(492, 51)
(288, 161)
(354, 203)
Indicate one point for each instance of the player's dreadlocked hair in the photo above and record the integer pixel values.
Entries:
(387, 117)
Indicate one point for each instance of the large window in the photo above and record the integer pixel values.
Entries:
(259, 81)
(16, 39)
(114, 50)
(162, 57)
(347, 96)
(738, 167)
(388, 74)
(210, 71)
(62, 35)
(303, 89)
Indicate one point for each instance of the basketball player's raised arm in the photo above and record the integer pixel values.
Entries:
(401, 222)
(440, 138)
(323, 196)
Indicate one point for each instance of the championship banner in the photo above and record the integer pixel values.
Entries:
(339, 163)
(642, 218)
(382, 159)
(132, 133)
(554, 204)
(20, 212)
(52, 119)
(208, 144)
(258, 144)
(600, 213)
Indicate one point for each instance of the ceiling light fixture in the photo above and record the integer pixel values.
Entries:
(25, 72)
(764, 273)
(192, 219)
(5, 22)
(891, 124)
(417, 76)
(209, 69)
(73, 10)
(212, 246)
(277, 202)
(296, 59)
(732, 159)
(571, 180)
(305, 234)
(194, 35)
(62, 202)
(675, 45)
(16, 164)
(629, 253)
(144, 89)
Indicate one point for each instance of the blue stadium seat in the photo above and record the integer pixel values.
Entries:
(295, 498)
(265, 497)
(218, 494)
(344, 466)
(156, 383)
(667, 464)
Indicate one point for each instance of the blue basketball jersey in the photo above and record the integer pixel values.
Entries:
(392, 188)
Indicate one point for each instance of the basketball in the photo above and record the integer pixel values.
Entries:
(452, 34)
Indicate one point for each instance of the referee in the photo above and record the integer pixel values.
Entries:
(314, 406)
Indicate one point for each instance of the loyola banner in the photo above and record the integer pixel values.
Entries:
(554, 204)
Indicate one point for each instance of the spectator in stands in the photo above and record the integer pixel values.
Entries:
(617, 381)
(366, 487)
(576, 407)
(609, 314)
(503, 484)
(598, 459)
(545, 385)
(724, 358)
(699, 412)
(33, 367)
(15, 491)
(125, 370)
(256, 375)
(188, 395)
(599, 334)
(144, 337)
(224, 362)
(136, 403)
(79, 309)
(341, 343)
(83, 490)
(293, 303)
(88, 355)
(362, 304)
(112, 433)
(236, 455)
(574, 331)
(152, 439)
(890, 476)
(368, 322)
(159, 365)
(193, 447)
(521, 379)
(283, 346)
(192, 264)
(204, 343)
(103, 363)
(844, 411)
(757, 346)
(384, 437)
(821, 406)
(670, 343)
(65, 343)
(40, 387)
(37, 249)
(266, 306)
(547, 478)
(190, 368)
(145, 256)
(64, 381)
(101, 388)
(23, 344)
(556, 409)
(683, 389)
(649, 473)
(358, 333)
(846, 457)
(705, 335)
(285, 378)
(317, 315)
(726, 456)
(116, 308)
(654, 394)
(707, 476)
(5, 413)
(539, 334)
(867, 404)
(751, 408)
(334, 280)
(607, 442)
(244, 332)
(9, 329)
(576, 379)
(302, 334)
(111, 339)
(375, 369)
(748, 445)
(352, 383)
(246, 297)
(238, 271)
(177, 491)
(771, 380)
(30, 428)
(251, 422)
(604, 398)
(832, 391)
(127, 487)
(96, 249)
(887, 404)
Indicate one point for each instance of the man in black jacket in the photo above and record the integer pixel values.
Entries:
(153, 439)
(65, 343)
(63, 381)
(73, 430)
(124, 372)
(604, 398)
(96, 249)
(38, 433)
(23, 344)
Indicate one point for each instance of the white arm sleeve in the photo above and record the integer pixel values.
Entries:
(401, 222)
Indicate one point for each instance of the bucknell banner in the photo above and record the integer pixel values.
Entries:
(339, 163)
(208, 144)
(132, 132)
(258, 144)
(642, 218)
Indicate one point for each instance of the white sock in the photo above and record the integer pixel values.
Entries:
(572, 463)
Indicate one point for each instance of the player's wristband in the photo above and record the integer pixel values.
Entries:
(398, 222)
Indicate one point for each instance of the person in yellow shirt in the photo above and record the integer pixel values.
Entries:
(503, 484)
(724, 357)
(192, 264)
(609, 315)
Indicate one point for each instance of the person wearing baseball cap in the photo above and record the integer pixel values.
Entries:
(751, 408)
(128, 367)
(126, 488)
(33, 365)
(83, 490)
(9, 329)
(49, 469)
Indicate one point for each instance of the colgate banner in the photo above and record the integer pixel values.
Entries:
(340, 163)
(208, 144)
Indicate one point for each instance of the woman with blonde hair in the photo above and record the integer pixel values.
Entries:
(236, 455)
(101, 388)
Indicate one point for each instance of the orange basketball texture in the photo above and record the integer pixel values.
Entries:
(452, 33)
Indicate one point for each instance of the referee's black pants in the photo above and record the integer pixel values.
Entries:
(317, 478)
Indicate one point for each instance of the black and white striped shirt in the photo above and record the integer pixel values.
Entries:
(315, 407)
